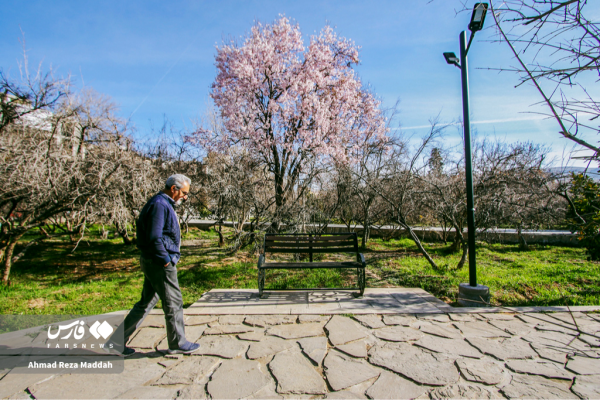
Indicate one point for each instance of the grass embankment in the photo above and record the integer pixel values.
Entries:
(104, 275)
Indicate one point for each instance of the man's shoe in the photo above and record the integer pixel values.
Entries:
(127, 351)
(187, 348)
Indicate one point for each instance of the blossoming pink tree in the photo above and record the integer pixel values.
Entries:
(292, 106)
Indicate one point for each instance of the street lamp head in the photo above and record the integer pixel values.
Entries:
(478, 16)
(452, 59)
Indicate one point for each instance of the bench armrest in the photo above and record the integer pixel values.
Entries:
(361, 259)
(261, 260)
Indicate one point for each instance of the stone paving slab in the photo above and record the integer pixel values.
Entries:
(296, 331)
(465, 391)
(315, 348)
(150, 392)
(398, 334)
(356, 349)
(503, 349)
(426, 368)
(458, 347)
(587, 386)
(441, 330)
(343, 371)
(269, 346)
(147, 338)
(155, 321)
(296, 375)
(342, 330)
(238, 378)
(191, 370)
(536, 387)
(406, 351)
(390, 386)
(481, 371)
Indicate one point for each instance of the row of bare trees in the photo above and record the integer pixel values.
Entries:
(67, 161)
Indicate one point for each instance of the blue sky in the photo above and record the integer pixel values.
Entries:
(156, 59)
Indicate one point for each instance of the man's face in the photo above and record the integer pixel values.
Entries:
(179, 195)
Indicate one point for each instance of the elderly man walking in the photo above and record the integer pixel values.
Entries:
(159, 239)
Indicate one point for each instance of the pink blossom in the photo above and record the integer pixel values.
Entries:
(289, 104)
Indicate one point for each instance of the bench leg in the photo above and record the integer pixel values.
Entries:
(361, 280)
(261, 281)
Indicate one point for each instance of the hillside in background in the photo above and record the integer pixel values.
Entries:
(592, 171)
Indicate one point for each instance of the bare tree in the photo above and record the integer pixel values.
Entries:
(362, 202)
(443, 194)
(399, 188)
(557, 49)
(58, 163)
(514, 187)
(235, 189)
(32, 98)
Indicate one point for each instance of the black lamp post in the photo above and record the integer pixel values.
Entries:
(470, 294)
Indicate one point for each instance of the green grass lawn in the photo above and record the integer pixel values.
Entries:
(545, 275)
(104, 275)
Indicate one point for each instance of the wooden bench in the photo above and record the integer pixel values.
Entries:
(311, 244)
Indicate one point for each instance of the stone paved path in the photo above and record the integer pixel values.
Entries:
(449, 353)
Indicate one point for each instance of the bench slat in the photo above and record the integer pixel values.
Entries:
(306, 238)
(344, 264)
(346, 243)
(325, 250)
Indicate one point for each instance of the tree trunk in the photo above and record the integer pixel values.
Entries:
(415, 238)
(279, 201)
(3, 251)
(522, 242)
(456, 241)
(365, 235)
(103, 233)
(465, 251)
(444, 232)
(124, 234)
(8, 254)
(73, 238)
(221, 241)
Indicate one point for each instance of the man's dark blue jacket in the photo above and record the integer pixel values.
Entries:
(157, 230)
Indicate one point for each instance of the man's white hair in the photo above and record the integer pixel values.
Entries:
(178, 180)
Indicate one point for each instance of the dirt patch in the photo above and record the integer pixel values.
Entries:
(90, 296)
(37, 303)
(528, 292)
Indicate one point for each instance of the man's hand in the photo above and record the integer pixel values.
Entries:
(167, 264)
